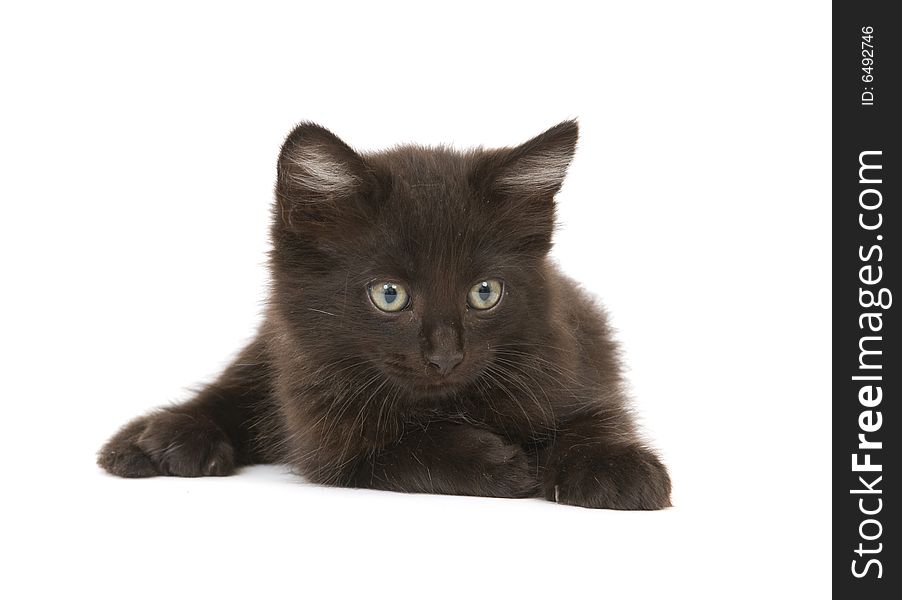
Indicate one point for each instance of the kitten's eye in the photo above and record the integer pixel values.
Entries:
(388, 296)
(485, 294)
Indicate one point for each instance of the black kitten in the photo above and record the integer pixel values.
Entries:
(417, 339)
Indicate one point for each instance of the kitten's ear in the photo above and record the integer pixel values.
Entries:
(321, 180)
(521, 182)
(536, 168)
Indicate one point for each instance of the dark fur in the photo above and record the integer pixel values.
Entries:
(346, 395)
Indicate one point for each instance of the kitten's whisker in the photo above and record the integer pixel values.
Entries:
(516, 368)
(494, 376)
(548, 422)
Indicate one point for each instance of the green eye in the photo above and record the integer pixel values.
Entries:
(388, 296)
(485, 294)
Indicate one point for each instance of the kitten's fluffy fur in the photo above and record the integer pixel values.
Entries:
(349, 395)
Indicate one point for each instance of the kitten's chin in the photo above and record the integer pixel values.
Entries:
(439, 389)
(429, 387)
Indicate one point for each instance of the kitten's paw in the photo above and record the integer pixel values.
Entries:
(503, 469)
(168, 443)
(631, 478)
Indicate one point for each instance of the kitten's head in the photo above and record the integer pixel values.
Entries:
(418, 264)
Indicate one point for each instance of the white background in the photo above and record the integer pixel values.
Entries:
(138, 156)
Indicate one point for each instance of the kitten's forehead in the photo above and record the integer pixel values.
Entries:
(416, 167)
(429, 183)
(433, 213)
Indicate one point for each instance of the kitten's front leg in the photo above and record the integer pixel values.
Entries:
(592, 464)
(450, 458)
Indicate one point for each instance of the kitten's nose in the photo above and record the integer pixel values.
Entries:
(445, 361)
